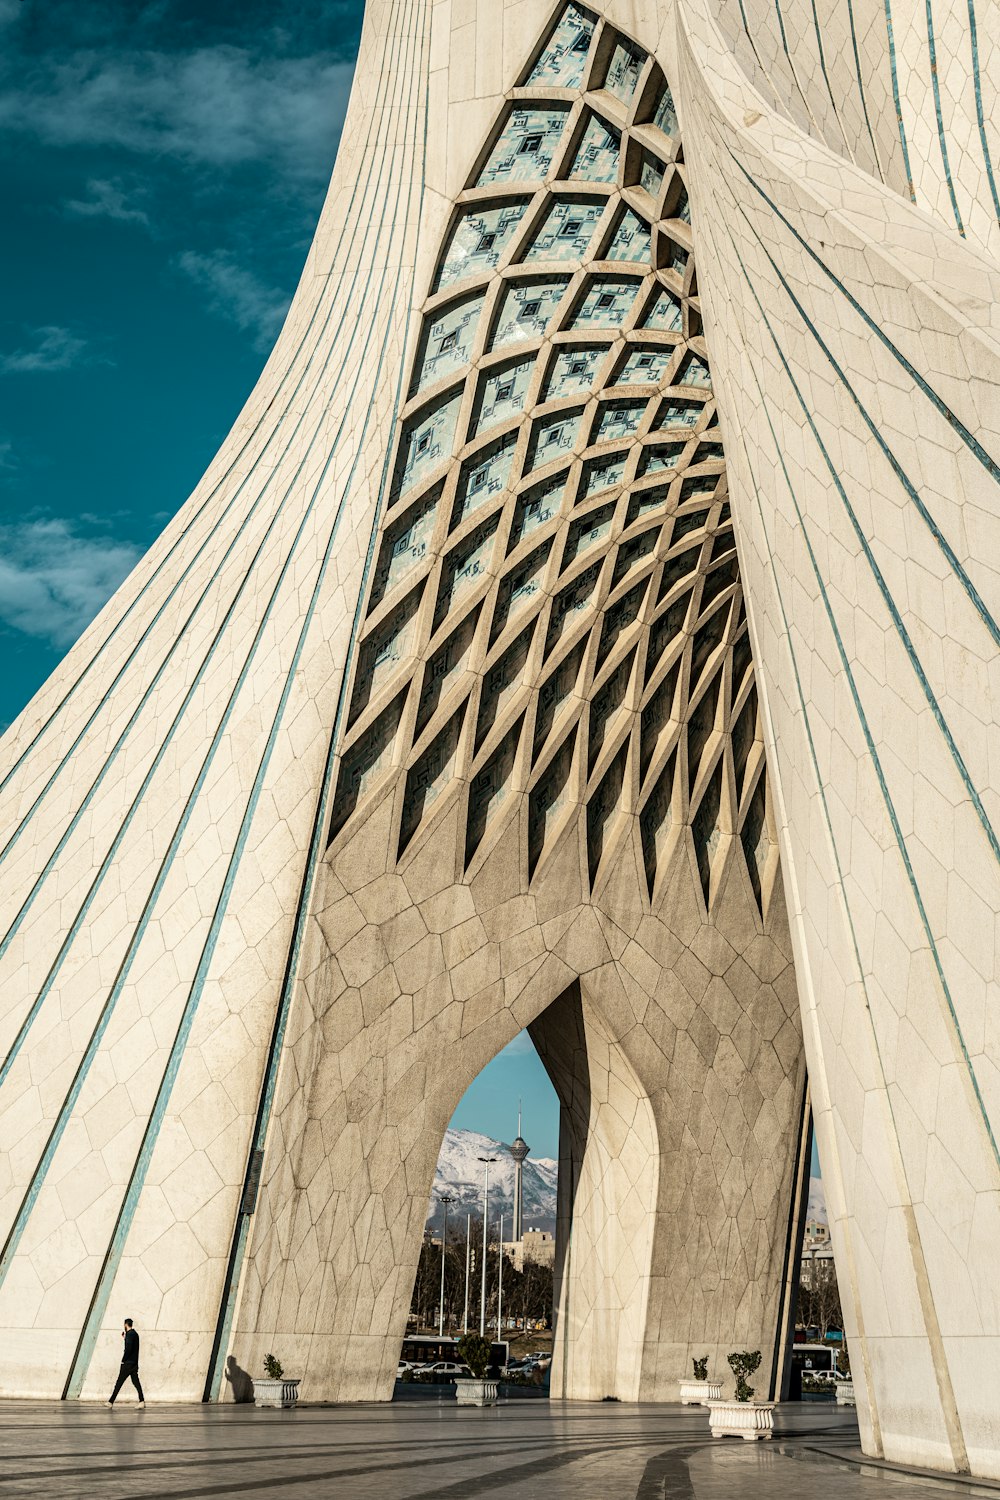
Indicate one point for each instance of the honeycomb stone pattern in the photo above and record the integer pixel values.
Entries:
(559, 507)
(549, 807)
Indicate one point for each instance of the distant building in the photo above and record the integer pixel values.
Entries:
(815, 1259)
(817, 1235)
(535, 1245)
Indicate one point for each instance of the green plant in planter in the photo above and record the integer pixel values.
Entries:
(476, 1352)
(742, 1365)
(700, 1368)
(273, 1368)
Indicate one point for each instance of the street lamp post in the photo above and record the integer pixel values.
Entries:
(500, 1286)
(444, 1201)
(487, 1162)
(468, 1259)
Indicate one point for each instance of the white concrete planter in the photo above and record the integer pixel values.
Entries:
(700, 1392)
(472, 1392)
(276, 1393)
(743, 1419)
(845, 1393)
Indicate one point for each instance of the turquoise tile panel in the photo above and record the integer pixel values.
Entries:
(562, 60)
(644, 367)
(479, 239)
(598, 152)
(428, 440)
(696, 372)
(603, 473)
(664, 312)
(574, 369)
(527, 309)
(618, 419)
(623, 70)
(566, 230)
(631, 240)
(606, 303)
(588, 531)
(553, 436)
(405, 547)
(665, 114)
(502, 394)
(677, 412)
(448, 340)
(536, 506)
(526, 145)
(484, 476)
(651, 174)
(661, 456)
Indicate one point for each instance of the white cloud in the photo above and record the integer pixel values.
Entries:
(817, 1200)
(521, 1046)
(107, 199)
(53, 580)
(52, 348)
(237, 295)
(215, 105)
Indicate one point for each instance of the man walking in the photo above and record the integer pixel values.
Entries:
(130, 1363)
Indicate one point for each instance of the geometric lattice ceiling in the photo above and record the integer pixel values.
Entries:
(555, 608)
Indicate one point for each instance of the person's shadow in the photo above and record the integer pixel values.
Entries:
(240, 1381)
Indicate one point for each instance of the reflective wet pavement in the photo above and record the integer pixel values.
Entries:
(522, 1450)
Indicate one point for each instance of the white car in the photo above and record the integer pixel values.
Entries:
(402, 1367)
(446, 1367)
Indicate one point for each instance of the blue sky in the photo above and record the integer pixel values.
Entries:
(490, 1103)
(163, 168)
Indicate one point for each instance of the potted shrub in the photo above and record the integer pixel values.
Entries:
(742, 1417)
(845, 1384)
(700, 1391)
(474, 1389)
(275, 1390)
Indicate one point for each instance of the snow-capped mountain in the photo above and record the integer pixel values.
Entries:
(460, 1175)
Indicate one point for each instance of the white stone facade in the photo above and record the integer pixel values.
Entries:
(615, 517)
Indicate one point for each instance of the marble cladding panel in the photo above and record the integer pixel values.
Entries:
(868, 601)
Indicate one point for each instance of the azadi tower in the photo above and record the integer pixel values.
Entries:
(589, 625)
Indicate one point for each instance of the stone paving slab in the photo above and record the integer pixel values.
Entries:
(521, 1451)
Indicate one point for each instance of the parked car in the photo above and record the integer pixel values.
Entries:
(446, 1368)
(402, 1367)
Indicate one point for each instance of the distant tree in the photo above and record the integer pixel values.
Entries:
(819, 1296)
(527, 1294)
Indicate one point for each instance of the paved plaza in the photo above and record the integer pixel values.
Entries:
(433, 1451)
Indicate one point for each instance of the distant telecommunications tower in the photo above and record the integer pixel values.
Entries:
(519, 1150)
